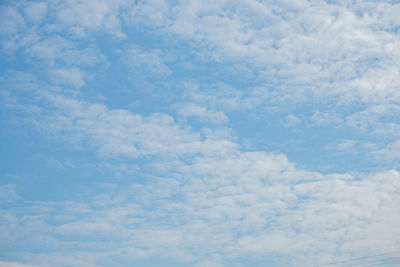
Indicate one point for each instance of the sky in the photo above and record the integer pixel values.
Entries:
(199, 133)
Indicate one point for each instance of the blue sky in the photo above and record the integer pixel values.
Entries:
(199, 133)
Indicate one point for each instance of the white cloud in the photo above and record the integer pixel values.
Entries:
(56, 50)
(252, 203)
(35, 11)
(8, 193)
(346, 145)
(377, 119)
(109, 132)
(93, 15)
(204, 115)
(11, 20)
(71, 76)
(121, 133)
(150, 13)
(322, 51)
(196, 202)
(326, 118)
(14, 264)
(318, 50)
(386, 153)
(219, 96)
(146, 62)
(208, 201)
(376, 85)
(292, 120)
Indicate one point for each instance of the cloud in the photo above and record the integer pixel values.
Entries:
(377, 119)
(318, 50)
(192, 194)
(56, 50)
(292, 120)
(115, 133)
(326, 118)
(218, 96)
(14, 264)
(72, 76)
(11, 20)
(8, 193)
(92, 15)
(284, 49)
(146, 62)
(35, 12)
(346, 145)
(151, 13)
(252, 203)
(203, 114)
(385, 153)
(206, 197)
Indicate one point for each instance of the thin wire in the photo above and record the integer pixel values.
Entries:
(381, 260)
(355, 259)
(384, 263)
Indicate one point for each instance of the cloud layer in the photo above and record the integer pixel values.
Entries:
(213, 133)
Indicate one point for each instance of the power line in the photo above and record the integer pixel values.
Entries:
(396, 260)
(374, 262)
(357, 259)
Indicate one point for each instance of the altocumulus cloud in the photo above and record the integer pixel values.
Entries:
(191, 133)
